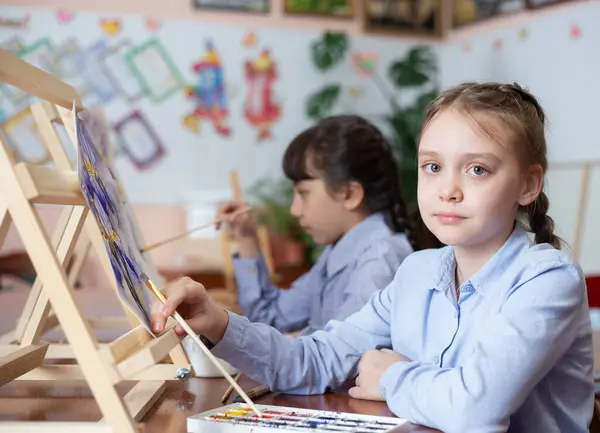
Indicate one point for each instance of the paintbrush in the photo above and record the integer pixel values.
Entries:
(195, 229)
(257, 392)
(228, 392)
(197, 340)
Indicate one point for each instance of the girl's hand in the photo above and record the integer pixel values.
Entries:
(191, 301)
(242, 224)
(371, 367)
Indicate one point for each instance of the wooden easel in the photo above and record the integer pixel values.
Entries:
(134, 355)
(36, 318)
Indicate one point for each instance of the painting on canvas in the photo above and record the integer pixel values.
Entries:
(100, 188)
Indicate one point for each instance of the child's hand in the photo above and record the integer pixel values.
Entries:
(370, 369)
(192, 302)
(241, 223)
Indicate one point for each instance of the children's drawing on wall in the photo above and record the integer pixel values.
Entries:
(261, 108)
(152, 66)
(24, 139)
(139, 141)
(15, 23)
(67, 66)
(64, 16)
(88, 64)
(99, 188)
(152, 24)
(208, 94)
(120, 75)
(249, 39)
(111, 27)
(365, 63)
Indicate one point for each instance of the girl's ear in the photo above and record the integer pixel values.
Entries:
(532, 185)
(354, 195)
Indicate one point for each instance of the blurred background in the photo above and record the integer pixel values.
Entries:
(201, 96)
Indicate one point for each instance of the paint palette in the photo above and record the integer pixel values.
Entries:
(240, 418)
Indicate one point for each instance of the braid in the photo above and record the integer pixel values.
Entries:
(398, 212)
(399, 217)
(540, 224)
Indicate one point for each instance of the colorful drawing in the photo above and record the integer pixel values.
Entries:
(259, 6)
(152, 66)
(100, 190)
(356, 91)
(240, 418)
(110, 27)
(88, 63)
(208, 94)
(261, 109)
(23, 137)
(122, 78)
(249, 40)
(575, 31)
(152, 24)
(15, 23)
(139, 141)
(364, 63)
(523, 34)
(67, 66)
(64, 16)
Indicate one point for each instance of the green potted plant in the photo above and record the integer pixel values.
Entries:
(416, 72)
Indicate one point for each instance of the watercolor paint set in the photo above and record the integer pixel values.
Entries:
(240, 418)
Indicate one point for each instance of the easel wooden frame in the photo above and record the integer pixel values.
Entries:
(36, 318)
(133, 356)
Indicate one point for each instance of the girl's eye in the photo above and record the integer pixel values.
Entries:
(432, 168)
(477, 170)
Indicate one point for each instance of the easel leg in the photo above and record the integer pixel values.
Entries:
(76, 328)
(36, 290)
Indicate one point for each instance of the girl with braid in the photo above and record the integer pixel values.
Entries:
(490, 333)
(346, 197)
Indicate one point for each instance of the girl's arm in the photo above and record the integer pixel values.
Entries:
(311, 364)
(261, 301)
(533, 329)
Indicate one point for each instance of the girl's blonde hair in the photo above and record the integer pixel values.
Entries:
(507, 114)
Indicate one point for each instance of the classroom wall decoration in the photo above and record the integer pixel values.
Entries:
(139, 141)
(23, 137)
(260, 6)
(15, 23)
(208, 94)
(64, 16)
(262, 108)
(119, 73)
(152, 66)
(335, 8)
(110, 26)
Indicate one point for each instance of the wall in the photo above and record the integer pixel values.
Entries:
(541, 53)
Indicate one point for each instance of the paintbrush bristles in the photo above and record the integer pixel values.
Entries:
(190, 332)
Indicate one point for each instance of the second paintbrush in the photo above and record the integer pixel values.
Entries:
(254, 393)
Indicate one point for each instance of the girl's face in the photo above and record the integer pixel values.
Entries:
(326, 216)
(469, 186)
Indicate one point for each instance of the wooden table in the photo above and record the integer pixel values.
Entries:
(41, 401)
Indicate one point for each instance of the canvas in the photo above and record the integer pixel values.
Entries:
(101, 191)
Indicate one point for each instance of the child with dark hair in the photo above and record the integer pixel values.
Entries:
(347, 197)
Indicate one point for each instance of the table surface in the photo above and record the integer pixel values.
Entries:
(43, 401)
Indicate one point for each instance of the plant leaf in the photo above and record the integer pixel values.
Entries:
(416, 69)
(329, 50)
(321, 103)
